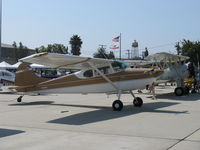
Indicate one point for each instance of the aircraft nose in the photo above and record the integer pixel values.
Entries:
(156, 72)
(160, 72)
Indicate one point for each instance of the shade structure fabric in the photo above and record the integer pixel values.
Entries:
(5, 65)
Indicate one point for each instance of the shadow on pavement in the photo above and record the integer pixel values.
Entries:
(8, 132)
(172, 96)
(106, 113)
(32, 103)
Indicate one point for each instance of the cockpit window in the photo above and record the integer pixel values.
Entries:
(103, 70)
(88, 73)
(119, 66)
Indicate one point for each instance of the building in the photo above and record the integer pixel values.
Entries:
(10, 54)
(135, 50)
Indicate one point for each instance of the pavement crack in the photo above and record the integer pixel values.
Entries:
(183, 139)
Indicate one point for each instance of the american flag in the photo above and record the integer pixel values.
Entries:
(114, 47)
(116, 39)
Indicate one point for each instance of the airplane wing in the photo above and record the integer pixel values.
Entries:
(139, 62)
(166, 57)
(56, 60)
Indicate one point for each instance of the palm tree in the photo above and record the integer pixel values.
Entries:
(75, 43)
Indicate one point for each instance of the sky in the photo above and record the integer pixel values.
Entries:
(155, 24)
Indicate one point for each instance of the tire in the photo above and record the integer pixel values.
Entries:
(137, 102)
(19, 99)
(179, 91)
(117, 105)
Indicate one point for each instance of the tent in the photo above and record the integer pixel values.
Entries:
(16, 65)
(6, 65)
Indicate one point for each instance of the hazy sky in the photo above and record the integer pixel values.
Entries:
(156, 24)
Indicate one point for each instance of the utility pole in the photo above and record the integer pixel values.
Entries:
(102, 46)
(129, 53)
(120, 46)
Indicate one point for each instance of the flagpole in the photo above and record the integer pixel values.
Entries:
(120, 49)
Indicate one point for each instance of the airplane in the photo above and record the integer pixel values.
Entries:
(94, 76)
(174, 66)
(175, 70)
(6, 78)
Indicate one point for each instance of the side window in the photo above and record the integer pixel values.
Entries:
(88, 73)
(104, 70)
(116, 66)
(119, 66)
(6, 74)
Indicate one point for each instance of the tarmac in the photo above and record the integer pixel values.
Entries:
(87, 122)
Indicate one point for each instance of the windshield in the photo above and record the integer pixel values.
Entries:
(119, 66)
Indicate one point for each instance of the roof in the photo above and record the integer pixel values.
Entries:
(11, 46)
(4, 64)
(6, 45)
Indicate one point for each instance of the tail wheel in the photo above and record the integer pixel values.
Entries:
(179, 91)
(117, 105)
(137, 102)
(19, 99)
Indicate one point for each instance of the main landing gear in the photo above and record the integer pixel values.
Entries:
(118, 105)
(179, 91)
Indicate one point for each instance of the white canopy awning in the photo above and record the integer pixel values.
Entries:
(16, 65)
(5, 65)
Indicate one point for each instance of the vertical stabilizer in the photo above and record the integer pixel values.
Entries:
(26, 77)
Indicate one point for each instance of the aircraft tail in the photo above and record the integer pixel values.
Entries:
(26, 77)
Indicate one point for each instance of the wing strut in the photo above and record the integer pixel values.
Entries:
(104, 76)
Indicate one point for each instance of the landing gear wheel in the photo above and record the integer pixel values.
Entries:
(137, 102)
(117, 105)
(19, 99)
(179, 91)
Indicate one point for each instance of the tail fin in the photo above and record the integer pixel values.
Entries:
(25, 76)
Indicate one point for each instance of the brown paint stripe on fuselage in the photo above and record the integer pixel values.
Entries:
(72, 80)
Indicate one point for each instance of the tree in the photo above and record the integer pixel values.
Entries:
(41, 49)
(16, 50)
(146, 53)
(55, 48)
(189, 48)
(20, 51)
(178, 48)
(101, 53)
(59, 48)
(75, 42)
(111, 55)
(14, 44)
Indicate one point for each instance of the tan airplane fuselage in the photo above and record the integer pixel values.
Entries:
(27, 81)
